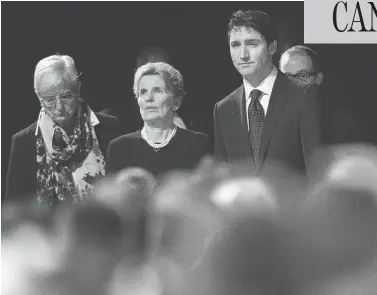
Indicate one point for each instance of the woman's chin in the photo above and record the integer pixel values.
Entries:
(152, 119)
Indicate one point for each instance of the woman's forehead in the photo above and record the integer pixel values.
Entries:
(151, 80)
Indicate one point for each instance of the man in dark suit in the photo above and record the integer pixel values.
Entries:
(267, 120)
(342, 124)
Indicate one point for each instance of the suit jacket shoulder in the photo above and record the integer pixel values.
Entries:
(107, 129)
(231, 97)
(21, 179)
(30, 130)
(106, 119)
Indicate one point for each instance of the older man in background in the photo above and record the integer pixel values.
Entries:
(303, 65)
(341, 124)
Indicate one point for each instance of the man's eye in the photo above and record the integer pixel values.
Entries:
(235, 44)
(303, 76)
(67, 96)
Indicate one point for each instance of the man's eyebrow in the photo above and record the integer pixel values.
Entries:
(46, 93)
(66, 92)
(252, 40)
(246, 40)
(52, 92)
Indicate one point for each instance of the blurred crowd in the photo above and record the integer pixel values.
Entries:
(211, 230)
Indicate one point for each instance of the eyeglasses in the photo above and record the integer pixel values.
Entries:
(50, 101)
(303, 76)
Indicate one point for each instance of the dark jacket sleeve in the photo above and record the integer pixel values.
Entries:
(117, 130)
(207, 146)
(107, 130)
(110, 158)
(310, 129)
(113, 126)
(219, 148)
(17, 178)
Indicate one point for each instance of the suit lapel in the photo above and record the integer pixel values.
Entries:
(239, 130)
(241, 107)
(276, 105)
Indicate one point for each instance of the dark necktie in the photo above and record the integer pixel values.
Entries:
(256, 122)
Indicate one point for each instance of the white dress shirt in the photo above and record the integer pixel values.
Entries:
(265, 87)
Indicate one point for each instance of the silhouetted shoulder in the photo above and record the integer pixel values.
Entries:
(106, 119)
(231, 97)
(30, 130)
(108, 111)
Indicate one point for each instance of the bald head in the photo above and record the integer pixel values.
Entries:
(302, 64)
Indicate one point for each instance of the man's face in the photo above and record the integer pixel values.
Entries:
(58, 98)
(300, 68)
(251, 55)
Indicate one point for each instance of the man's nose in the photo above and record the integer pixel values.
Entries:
(244, 54)
(58, 104)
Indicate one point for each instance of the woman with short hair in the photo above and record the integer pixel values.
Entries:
(160, 146)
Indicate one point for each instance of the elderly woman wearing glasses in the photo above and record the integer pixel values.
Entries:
(160, 146)
(59, 157)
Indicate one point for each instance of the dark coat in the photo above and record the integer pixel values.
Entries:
(22, 168)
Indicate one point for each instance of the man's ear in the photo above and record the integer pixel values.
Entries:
(177, 102)
(272, 47)
(79, 86)
(319, 78)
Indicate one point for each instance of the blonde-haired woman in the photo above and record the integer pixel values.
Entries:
(160, 146)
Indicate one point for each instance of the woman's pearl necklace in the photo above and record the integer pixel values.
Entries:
(158, 146)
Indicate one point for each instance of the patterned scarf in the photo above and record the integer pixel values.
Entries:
(67, 165)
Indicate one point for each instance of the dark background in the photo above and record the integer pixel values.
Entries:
(105, 38)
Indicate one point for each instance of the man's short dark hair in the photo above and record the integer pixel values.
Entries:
(255, 19)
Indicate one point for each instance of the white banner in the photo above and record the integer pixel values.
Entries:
(340, 22)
